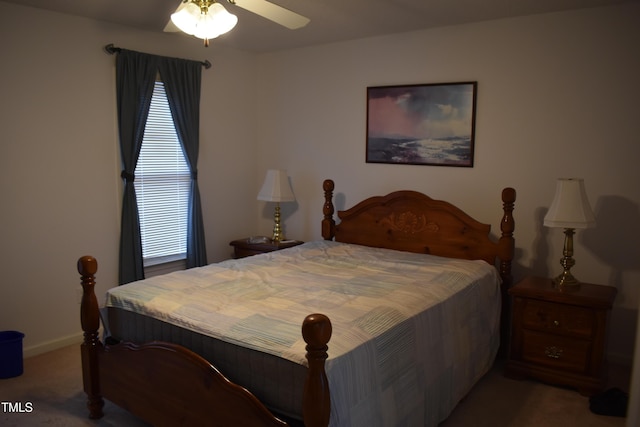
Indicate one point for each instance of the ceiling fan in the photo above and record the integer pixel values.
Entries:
(207, 19)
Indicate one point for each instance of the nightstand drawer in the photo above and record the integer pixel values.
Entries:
(557, 318)
(555, 351)
(244, 252)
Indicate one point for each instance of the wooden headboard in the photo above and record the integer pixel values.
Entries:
(413, 222)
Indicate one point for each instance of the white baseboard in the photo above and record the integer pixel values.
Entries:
(52, 345)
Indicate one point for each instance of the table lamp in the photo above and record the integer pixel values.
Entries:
(276, 188)
(570, 209)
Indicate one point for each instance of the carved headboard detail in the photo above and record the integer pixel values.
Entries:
(409, 222)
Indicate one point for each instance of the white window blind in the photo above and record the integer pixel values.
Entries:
(162, 181)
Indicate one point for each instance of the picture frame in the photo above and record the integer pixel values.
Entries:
(422, 124)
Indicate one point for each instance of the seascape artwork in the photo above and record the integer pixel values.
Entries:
(430, 124)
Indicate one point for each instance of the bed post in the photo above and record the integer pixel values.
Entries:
(328, 223)
(316, 402)
(506, 243)
(91, 346)
(506, 249)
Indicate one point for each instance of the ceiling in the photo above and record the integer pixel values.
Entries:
(331, 20)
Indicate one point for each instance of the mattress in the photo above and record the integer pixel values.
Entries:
(412, 333)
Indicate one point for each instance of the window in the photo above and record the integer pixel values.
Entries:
(162, 186)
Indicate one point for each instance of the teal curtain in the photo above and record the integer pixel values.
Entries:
(135, 77)
(182, 81)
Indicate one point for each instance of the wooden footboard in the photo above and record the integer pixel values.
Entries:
(167, 384)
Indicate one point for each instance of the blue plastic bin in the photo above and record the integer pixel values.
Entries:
(11, 354)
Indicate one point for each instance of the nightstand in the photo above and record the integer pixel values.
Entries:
(244, 247)
(559, 336)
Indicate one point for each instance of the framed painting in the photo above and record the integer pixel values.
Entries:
(423, 124)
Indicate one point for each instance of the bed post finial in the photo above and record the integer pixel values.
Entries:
(91, 346)
(328, 223)
(316, 401)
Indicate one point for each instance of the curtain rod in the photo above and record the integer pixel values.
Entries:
(111, 50)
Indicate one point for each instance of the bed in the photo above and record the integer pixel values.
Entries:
(390, 320)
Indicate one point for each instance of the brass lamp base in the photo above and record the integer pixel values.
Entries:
(278, 235)
(566, 279)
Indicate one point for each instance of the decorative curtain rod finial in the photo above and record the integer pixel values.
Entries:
(111, 49)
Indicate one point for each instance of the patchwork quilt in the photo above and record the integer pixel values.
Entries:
(412, 332)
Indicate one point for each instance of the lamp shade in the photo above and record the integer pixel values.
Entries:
(215, 22)
(570, 207)
(186, 17)
(276, 187)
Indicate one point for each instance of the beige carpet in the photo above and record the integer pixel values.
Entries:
(52, 383)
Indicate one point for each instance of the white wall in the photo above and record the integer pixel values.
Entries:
(557, 97)
(60, 164)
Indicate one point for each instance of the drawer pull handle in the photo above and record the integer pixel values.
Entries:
(553, 352)
(556, 323)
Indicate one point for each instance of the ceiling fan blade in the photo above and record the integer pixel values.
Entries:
(273, 12)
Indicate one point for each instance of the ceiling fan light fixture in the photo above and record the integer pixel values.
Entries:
(203, 19)
(186, 17)
(215, 22)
